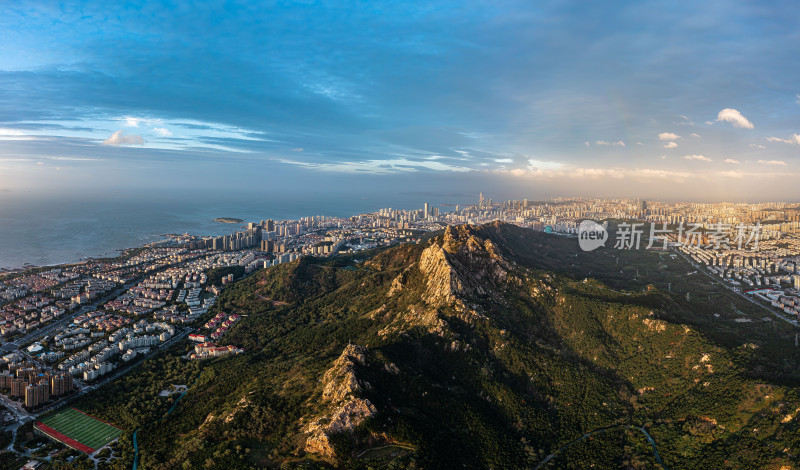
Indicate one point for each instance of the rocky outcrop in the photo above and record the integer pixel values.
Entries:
(458, 270)
(399, 281)
(441, 279)
(340, 396)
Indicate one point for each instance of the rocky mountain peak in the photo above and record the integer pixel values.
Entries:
(344, 409)
(457, 268)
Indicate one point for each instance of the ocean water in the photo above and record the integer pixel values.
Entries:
(47, 230)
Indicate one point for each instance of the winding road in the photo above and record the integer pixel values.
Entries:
(136, 432)
(602, 430)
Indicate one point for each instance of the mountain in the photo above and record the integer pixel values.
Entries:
(482, 347)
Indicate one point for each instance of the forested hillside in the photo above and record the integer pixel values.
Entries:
(484, 347)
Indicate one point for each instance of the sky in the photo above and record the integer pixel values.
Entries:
(672, 100)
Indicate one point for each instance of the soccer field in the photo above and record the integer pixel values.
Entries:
(77, 426)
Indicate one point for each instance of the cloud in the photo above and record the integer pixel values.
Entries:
(161, 131)
(298, 149)
(697, 136)
(794, 139)
(14, 134)
(758, 146)
(397, 165)
(668, 136)
(671, 145)
(118, 138)
(732, 161)
(618, 143)
(697, 157)
(132, 121)
(772, 162)
(734, 117)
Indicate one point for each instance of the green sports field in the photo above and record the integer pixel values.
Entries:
(84, 429)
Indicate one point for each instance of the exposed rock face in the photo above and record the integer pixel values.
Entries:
(346, 409)
(442, 280)
(399, 281)
(457, 270)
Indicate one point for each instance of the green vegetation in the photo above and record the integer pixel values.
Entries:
(214, 276)
(556, 343)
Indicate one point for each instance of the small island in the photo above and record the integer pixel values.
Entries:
(229, 220)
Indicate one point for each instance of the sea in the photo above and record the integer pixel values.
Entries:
(49, 230)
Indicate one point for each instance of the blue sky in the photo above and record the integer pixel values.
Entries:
(669, 100)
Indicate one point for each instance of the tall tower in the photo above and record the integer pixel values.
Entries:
(427, 210)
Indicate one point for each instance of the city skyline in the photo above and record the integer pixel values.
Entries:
(663, 101)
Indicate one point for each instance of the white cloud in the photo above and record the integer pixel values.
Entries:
(132, 121)
(542, 165)
(671, 145)
(118, 138)
(668, 136)
(702, 158)
(798, 98)
(758, 146)
(13, 134)
(298, 149)
(384, 167)
(618, 143)
(161, 131)
(697, 136)
(586, 143)
(772, 162)
(734, 117)
(732, 161)
(794, 139)
(582, 175)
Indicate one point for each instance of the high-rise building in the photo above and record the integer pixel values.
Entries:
(30, 396)
(5, 380)
(427, 210)
(60, 384)
(18, 387)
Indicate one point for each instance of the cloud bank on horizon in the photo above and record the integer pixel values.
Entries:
(557, 94)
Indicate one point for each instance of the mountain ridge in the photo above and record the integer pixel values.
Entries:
(468, 350)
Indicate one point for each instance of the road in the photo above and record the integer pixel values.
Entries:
(741, 294)
(116, 374)
(40, 333)
(602, 430)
